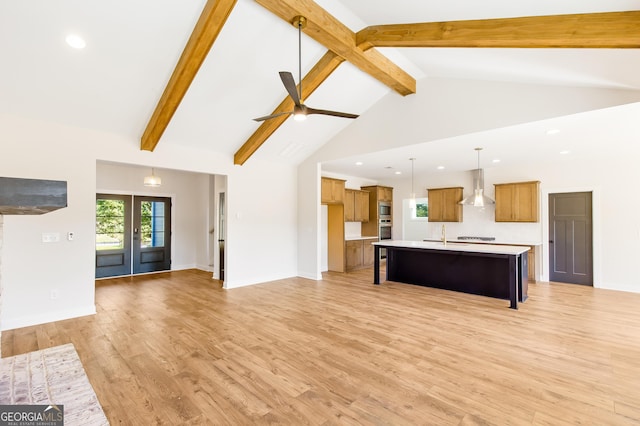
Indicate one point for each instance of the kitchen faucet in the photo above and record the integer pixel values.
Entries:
(444, 234)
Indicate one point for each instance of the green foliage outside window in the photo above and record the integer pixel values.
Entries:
(109, 224)
(422, 210)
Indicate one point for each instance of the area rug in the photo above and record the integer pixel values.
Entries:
(51, 376)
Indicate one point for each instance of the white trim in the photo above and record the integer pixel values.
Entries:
(596, 223)
(310, 276)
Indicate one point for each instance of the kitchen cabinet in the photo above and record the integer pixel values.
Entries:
(385, 193)
(356, 205)
(377, 194)
(443, 204)
(531, 260)
(332, 191)
(517, 202)
(359, 253)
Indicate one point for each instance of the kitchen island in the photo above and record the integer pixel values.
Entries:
(484, 269)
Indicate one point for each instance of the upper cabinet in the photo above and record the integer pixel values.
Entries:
(443, 204)
(356, 205)
(517, 202)
(332, 191)
(385, 193)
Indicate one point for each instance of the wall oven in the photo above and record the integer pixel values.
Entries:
(384, 234)
(384, 209)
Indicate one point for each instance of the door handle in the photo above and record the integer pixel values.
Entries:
(135, 230)
(550, 241)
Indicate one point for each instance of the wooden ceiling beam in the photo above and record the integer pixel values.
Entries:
(212, 19)
(318, 74)
(615, 30)
(335, 36)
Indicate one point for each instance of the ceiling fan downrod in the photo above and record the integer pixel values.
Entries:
(300, 22)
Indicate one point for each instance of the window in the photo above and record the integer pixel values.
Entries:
(421, 212)
(110, 224)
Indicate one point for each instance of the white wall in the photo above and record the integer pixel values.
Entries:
(261, 228)
(309, 220)
(445, 108)
(189, 196)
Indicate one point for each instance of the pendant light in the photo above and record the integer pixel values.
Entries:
(412, 196)
(153, 180)
(478, 199)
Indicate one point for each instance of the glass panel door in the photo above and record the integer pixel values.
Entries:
(113, 235)
(151, 234)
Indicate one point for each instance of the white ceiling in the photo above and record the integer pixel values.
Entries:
(113, 84)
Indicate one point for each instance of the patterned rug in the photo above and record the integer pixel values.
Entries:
(51, 376)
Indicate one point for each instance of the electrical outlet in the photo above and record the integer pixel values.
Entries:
(54, 294)
(70, 236)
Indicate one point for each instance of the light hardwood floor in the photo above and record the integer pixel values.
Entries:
(175, 348)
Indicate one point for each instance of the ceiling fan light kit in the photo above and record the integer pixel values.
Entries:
(300, 110)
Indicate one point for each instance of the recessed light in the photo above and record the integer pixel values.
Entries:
(398, 172)
(553, 131)
(75, 41)
(565, 152)
(440, 167)
(359, 163)
(496, 160)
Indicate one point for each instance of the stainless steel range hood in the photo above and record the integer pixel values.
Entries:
(477, 199)
(31, 196)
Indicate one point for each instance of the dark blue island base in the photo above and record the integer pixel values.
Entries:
(503, 276)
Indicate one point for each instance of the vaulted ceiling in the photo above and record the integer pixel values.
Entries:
(136, 78)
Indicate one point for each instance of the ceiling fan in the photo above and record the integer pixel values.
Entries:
(300, 110)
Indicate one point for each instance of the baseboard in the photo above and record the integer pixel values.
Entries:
(27, 321)
(183, 267)
(310, 276)
(261, 280)
(205, 268)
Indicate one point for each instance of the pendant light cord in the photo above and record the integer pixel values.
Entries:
(412, 191)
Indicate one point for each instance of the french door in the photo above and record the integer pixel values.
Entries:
(133, 234)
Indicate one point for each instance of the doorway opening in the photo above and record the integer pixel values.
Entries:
(571, 238)
(133, 234)
(221, 235)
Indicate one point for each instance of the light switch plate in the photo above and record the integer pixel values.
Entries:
(50, 237)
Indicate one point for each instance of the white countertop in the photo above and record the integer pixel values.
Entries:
(497, 242)
(356, 237)
(457, 246)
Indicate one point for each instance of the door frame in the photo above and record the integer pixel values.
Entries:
(131, 194)
(596, 212)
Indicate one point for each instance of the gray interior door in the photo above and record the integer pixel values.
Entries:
(570, 238)
(113, 235)
(151, 234)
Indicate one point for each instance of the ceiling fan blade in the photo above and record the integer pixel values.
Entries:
(268, 117)
(290, 85)
(332, 113)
